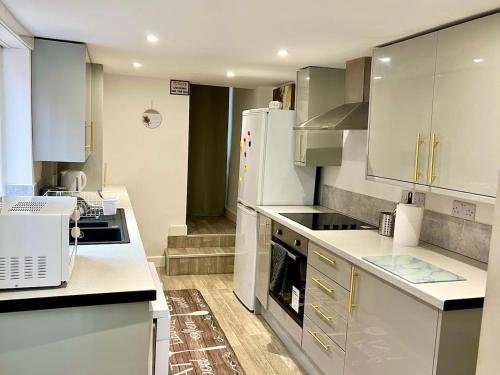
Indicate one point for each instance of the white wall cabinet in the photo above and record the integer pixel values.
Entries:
(444, 86)
(466, 113)
(61, 86)
(401, 108)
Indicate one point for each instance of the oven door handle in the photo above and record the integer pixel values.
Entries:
(293, 256)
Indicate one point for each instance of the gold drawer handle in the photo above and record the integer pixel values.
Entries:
(326, 347)
(321, 313)
(327, 288)
(332, 261)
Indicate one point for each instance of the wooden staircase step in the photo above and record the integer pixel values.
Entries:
(201, 240)
(193, 252)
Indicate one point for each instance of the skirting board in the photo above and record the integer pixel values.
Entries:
(178, 230)
(158, 260)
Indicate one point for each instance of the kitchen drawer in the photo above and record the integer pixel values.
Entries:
(326, 292)
(334, 326)
(287, 323)
(331, 265)
(322, 351)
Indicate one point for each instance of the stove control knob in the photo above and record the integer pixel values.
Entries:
(296, 242)
(279, 232)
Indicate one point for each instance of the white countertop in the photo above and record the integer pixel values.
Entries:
(352, 245)
(117, 273)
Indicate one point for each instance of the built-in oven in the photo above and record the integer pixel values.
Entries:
(287, 281)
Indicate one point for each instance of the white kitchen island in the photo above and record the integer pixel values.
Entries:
(99, 323)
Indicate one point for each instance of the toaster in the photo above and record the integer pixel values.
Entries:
(34, 241)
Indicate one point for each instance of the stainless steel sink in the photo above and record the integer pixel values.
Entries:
(107, 229)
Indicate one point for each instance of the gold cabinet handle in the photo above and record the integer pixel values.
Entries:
(90, 126)
(315, 335)
(321, 313)
(434, 143)
(327, 288)
(329, 260)
(416, 171)
(354, 274)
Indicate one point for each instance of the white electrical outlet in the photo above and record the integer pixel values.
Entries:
(464, 210)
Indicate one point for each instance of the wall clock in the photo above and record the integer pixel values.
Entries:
(151, 118)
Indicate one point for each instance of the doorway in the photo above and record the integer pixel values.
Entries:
(209, 108)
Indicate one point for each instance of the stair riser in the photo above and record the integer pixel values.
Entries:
(178, 242)
(200, 265)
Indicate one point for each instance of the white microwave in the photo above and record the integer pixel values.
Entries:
(34, 241)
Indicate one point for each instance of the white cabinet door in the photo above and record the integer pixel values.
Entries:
(466, 114)
(59, 101)
(390, 333)
(401, 108)
(263, 260)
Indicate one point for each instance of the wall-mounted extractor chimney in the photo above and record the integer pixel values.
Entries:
(319, 141)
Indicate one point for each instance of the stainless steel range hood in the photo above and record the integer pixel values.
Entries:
(319, 140)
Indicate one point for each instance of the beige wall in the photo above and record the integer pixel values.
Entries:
(151, 163)
(351, 176)
(243, 99)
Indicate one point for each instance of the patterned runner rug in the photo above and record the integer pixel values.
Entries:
(197, 343)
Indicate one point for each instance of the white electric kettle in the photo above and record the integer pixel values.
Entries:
(73, 180)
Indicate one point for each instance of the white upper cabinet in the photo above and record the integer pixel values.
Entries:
(401, 108)
(466, 113)
(61, 101)
(443, 89)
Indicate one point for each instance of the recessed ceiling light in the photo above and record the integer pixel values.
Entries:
(230, 74)
(282, 53)
(152, 38)
(377, 77)
(384, 59)
(137, 65)
(478, 60)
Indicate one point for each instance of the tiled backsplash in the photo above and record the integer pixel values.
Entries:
(461, 236)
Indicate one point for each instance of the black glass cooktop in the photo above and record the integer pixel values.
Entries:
(327, 221)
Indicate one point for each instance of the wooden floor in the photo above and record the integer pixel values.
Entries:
(210, 225)
(258, 349)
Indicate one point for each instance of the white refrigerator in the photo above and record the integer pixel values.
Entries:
(267, 176)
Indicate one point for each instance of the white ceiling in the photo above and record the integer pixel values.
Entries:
(200, 40)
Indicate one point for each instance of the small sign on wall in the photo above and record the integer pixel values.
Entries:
(179, 87)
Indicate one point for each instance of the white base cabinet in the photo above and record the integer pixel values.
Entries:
(379, 329)
(389, 332)
(263, 270)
